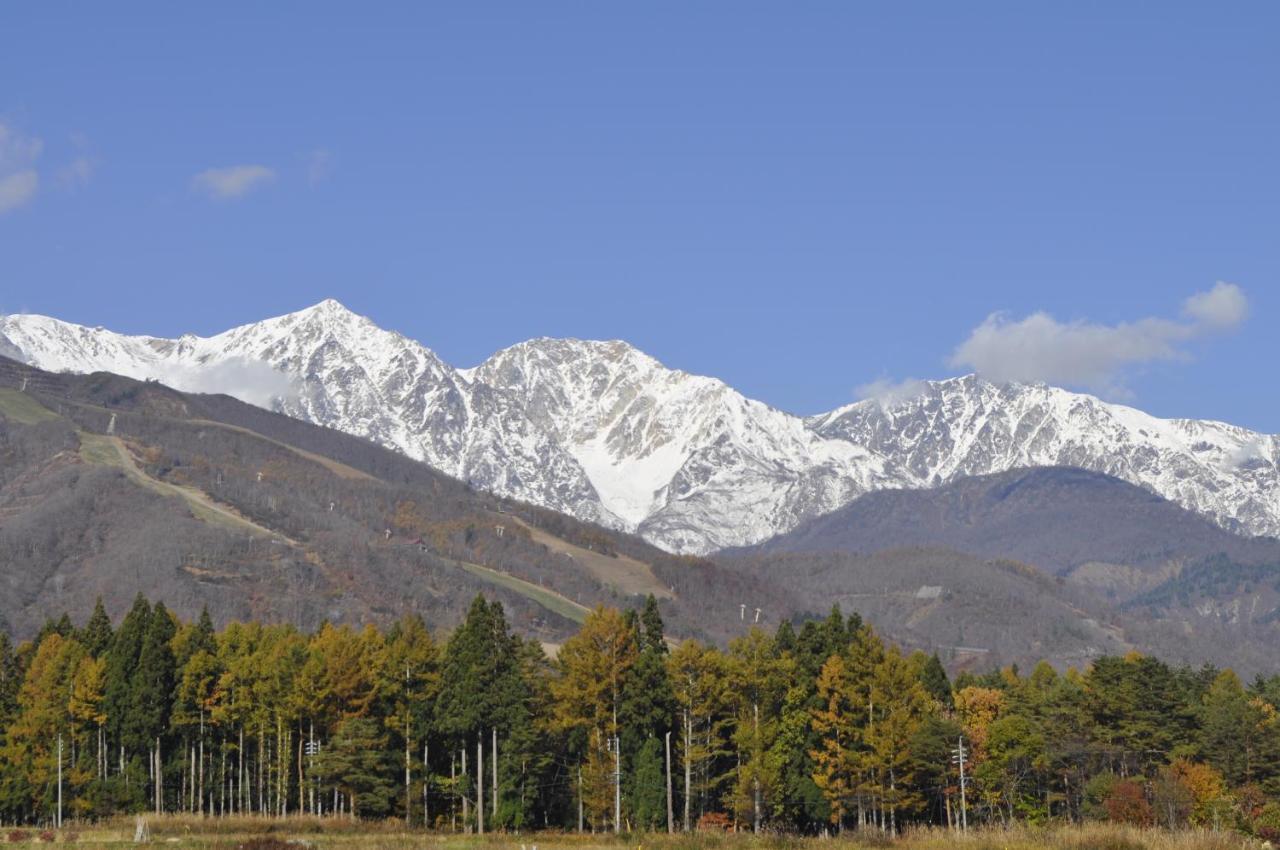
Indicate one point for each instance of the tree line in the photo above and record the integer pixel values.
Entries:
(816, 727)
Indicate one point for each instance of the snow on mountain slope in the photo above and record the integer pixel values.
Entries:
(686, 460)
(967, 426)
(602, 431)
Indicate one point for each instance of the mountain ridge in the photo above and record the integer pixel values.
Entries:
(606, 433)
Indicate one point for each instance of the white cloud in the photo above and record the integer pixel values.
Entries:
(1247, 455)
(319, 166)
(76, 173)
(16, 150)
(234, 181)
(1222, 307)
(19, 180)
(16, 189)
(251, 381)
(886, 392)
(1089, 354)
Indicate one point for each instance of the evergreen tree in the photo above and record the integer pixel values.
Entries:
(151, 688)
(936, 684)
(647, 787)
(96, 634)
(480, 665)
(10, 682)
(647, 709)
(122, 661)
(357, 764)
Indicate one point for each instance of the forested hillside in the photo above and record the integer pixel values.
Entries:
(803, 730)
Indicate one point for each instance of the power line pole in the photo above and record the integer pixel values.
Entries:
(617, 786)
(958, 756)
(58, 820)
(480, 784)
(671, 823)
(493, 806)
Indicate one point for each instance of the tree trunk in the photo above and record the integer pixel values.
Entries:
(688, 768)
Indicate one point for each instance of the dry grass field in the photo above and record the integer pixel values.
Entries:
(296, 834)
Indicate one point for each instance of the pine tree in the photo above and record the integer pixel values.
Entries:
(934, 679)
(357, 763)
(151, 689)
(96, 634)
(10, 682)
(122, 661)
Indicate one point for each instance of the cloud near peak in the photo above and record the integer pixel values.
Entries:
(233, 181)
(19, 180)
(1092, 355)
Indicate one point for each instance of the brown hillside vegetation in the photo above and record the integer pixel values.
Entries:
(205, 501)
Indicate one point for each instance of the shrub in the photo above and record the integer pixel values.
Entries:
(1127, 804)
(17, 836)
(48, 835)
(1096, 792)
(267, 843)
(714, 822)
(1267, 825)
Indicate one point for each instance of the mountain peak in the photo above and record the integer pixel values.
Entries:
(600, 430)
(329, 306)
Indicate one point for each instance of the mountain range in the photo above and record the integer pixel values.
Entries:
(607, 434)
(111, 486)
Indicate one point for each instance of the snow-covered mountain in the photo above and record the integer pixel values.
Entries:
(602, 431)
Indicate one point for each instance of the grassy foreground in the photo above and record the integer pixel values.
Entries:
(262, 834)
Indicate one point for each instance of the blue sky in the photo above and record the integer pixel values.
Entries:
(801, 199)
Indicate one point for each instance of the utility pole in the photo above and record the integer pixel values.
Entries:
(958, 756)
(493, 806)
(688, 766)
(671, 824)
(480, 783)
(58, 820)
(408, 773)
(617, 786)
(159, 781)
(755, 778)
